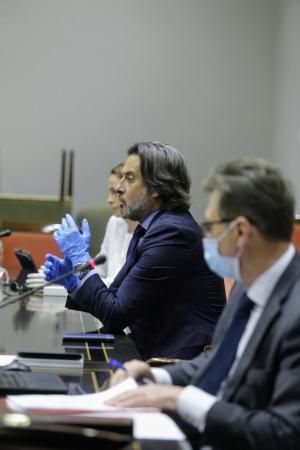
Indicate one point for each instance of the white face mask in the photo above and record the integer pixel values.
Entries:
(224, 266)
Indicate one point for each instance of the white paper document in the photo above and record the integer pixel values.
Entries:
(71, 403)
(156, 426)
(148, 423)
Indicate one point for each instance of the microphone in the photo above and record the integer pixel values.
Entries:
(91, 264)
(5, 233)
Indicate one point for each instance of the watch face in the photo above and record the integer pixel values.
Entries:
(83, 273)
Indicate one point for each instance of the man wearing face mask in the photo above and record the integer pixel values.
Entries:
(245, 394)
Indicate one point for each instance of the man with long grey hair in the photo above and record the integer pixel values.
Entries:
(165, 292)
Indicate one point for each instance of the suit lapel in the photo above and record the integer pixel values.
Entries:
(228, 313)
(130, 263)
(271, 311)
(140, 245)
(222, 325)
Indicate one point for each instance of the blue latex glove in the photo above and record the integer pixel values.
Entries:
(55, 267)
(73, 244)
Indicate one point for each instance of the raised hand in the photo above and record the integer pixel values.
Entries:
(73, 244)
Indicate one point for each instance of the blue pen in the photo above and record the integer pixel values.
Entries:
(115, 364)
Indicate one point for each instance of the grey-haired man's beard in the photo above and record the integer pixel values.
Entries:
(138, 209)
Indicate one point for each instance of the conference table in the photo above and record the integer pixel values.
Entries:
(38, 323)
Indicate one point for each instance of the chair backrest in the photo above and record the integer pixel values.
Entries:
(228, 283)
(296, 234)
(31, 213)
(97, 216)
(22, 212)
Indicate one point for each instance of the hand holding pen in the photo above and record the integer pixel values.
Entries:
(138, 370)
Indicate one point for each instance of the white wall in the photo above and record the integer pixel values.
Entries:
(99, 75)
(286, 137)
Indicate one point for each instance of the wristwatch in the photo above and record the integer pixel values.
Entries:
(81, 273)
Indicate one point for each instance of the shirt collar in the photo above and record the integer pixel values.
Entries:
(261, 288)
(146, 222)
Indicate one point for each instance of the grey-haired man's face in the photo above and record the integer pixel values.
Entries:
(135, 200)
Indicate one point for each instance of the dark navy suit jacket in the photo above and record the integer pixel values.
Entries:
(168, 296)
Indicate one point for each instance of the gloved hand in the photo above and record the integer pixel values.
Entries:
(55, 267)
(73, 244)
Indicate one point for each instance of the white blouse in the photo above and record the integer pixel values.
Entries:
(114, 246)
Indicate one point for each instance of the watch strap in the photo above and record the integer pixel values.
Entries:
(81, 273)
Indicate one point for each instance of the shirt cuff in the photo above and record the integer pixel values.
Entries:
(161, 376)
(193, 405)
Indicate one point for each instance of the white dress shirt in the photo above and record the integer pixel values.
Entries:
(193, 403)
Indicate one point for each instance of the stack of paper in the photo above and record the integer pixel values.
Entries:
(70, 403)
(148, 423)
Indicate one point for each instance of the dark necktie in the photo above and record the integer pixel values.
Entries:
(137, 234)
(225, 355)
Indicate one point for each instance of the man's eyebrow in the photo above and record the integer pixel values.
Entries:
(129, 172)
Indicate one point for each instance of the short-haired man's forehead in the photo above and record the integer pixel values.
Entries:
(212, 211)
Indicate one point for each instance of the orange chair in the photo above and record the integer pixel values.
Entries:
(38, 244)
(228, 283)
(296, 234)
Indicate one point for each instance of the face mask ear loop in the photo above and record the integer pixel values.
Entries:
(226, 231)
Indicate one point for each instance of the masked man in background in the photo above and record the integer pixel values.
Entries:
(245, 393)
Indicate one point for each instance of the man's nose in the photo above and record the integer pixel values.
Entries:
(120, 189)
